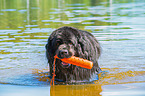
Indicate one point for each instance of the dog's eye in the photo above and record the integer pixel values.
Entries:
(70, 42)
(58, 42)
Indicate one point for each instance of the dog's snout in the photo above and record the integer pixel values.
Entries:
(64, 51)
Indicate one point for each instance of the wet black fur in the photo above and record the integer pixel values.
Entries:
(84, 45)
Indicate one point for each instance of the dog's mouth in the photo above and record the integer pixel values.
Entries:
(65, 65)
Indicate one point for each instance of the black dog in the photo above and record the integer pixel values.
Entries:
(66, 42)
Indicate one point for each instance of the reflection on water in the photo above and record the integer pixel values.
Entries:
(118, 24)
(76, 90)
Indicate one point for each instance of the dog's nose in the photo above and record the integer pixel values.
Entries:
(63, 52)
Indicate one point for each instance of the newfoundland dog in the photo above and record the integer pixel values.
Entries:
(66, 42)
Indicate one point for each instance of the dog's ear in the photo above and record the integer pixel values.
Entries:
(46, 46)
(82, 48)
(81, 44)
(48, 55)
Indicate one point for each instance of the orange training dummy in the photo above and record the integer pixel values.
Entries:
(77, 61)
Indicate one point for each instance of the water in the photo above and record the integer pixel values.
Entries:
(118, 25)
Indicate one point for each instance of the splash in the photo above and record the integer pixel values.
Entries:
(116, 76)
(113, 76)
(41, 75)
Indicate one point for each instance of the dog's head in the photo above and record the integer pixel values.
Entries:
(63, 43)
